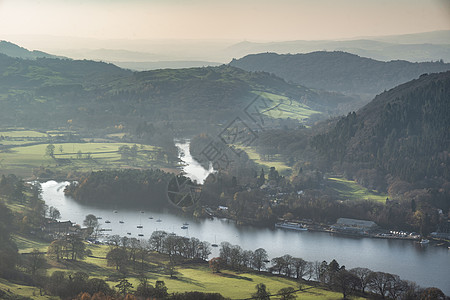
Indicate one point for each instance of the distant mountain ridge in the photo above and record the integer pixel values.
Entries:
(14, 50)
(420, 47)
(338, 71)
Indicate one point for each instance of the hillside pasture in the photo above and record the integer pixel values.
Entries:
(350, 190)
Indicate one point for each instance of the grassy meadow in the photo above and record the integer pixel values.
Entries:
(282, 108)
(350, 190)
(279, 165)
(188, 277)
(24, 153)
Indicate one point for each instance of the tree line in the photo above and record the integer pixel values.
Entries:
(359, 281)
(112, 186)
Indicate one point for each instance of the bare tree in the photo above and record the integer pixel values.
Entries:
(362, 274)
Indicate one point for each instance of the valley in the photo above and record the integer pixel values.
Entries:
(190, 169)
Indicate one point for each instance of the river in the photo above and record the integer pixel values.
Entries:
(427, 266)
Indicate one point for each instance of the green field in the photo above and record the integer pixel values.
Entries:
(279, 165)
(22, 134)
(350, 190)
(22, 159)
(282, 107)
(189, 277)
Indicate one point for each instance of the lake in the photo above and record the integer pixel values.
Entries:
(425, 265)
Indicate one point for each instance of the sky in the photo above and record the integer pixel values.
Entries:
(254, 20)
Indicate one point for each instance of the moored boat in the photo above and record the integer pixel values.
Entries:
(291, 226)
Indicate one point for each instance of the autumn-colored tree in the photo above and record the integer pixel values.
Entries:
(215, 264)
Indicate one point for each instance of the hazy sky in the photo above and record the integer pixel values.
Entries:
(227, 19)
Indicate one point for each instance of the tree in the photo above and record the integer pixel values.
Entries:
(170, 267)
(57, 283)
(331, 271)
(273, 175)
(90, 221)
(134, 151)
(50, 150)
(362, 274)
(261, 292)
(345, 282)
(125, 152)
(124, 286)
(56, 249)
(160, 289)
(432, 293)
(19, 189)
(215, 264)
(259, 259)
(54, 213)
(97, 285)
(76, 247)
(144, 289)
(380, 282)
(35, 263)
(287, 293)
(118, 258)
(8, 249)
(157, 239)
(261, 180)
(300, 266)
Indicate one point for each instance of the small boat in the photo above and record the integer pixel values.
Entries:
(184, 227)
(424, 242)
(159, 220)
(115, 211)
(99, 218)
(129, 233)
(291, 225)
(215, 243)
(140, 234)
(150, 218)
(121, 222)
(140, 226)
(142, 211)
(107, 221)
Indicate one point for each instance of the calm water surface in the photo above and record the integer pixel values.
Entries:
(427, 266)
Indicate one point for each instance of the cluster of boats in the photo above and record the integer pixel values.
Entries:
(140, 226)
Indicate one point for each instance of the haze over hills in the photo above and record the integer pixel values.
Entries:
(428, 46)
(14, 50)
(338, 71)
(420, 47)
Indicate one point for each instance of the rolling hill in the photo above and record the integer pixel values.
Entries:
(400, 137)
(338, 71)
(96, 95)
(14, 50)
